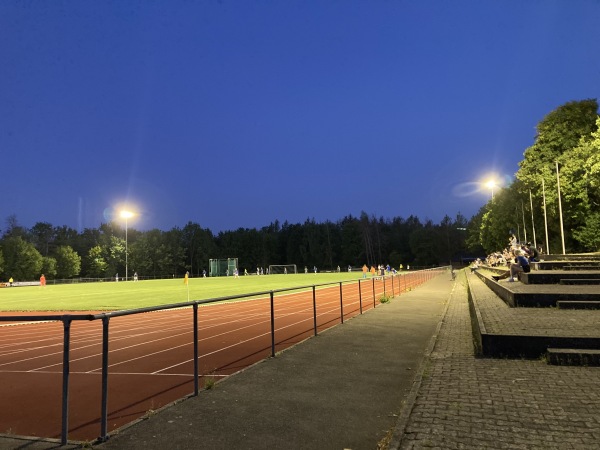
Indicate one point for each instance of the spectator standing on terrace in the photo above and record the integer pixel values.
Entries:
(521, 264)
(43, 281)
(513, 242)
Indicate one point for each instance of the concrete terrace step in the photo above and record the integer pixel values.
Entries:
(538, 295)
(580, 281)
(502, 331)
(572, 304)
(573, 357)
(573, 257)
(566, 265)
(555, 276)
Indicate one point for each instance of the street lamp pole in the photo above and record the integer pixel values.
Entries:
(126, 215)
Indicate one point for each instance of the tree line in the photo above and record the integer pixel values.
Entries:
(62, 252)
(564, 159)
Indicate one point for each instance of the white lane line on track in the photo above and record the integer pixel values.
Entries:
(240, 342)
(252, 306)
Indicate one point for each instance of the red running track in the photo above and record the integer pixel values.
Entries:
(151, 359)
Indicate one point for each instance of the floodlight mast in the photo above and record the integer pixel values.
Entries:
(491, 184)
(126, 215)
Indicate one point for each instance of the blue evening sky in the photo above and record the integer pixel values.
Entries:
(239, 113)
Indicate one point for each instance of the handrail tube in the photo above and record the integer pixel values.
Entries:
(55, 317)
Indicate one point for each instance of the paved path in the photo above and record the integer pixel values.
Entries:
(478, 403)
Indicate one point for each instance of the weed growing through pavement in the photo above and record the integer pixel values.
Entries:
(385, 298)
(209, 382)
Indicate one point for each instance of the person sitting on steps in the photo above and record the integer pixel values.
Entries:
(521, 264)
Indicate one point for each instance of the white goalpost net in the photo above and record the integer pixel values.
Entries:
(275, 269)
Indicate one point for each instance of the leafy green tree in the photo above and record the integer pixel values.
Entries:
(97, 265)
(425, 245)
(42, 234)
(68, 262)
(474, 230)
(13, 229)
(581, 188)
(563, 138)
(198, 244)
(1, 262)
(589, 234)
(85, 242)
(49, 266)
(22, 260)
(114, 255)
(352, 250)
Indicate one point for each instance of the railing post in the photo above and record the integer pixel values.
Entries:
(341, 304)
(272, 326)
(196, 388)
(359, 296)
(65, 390)
(104, 407)
(314, 308)
(374, 292)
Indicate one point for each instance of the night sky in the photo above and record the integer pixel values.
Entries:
(239, 113)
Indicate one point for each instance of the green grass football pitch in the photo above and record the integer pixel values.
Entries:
(113, 296)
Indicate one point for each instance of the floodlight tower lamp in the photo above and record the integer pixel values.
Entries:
(491, 184)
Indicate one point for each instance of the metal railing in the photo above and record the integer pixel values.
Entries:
(381, 285)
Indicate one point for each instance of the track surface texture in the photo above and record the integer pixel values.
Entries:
(151, 357)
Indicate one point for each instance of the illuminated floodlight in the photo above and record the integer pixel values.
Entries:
(126, 214)
(491, 184)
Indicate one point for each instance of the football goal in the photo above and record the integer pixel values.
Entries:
(275, 269)
(222, 267)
